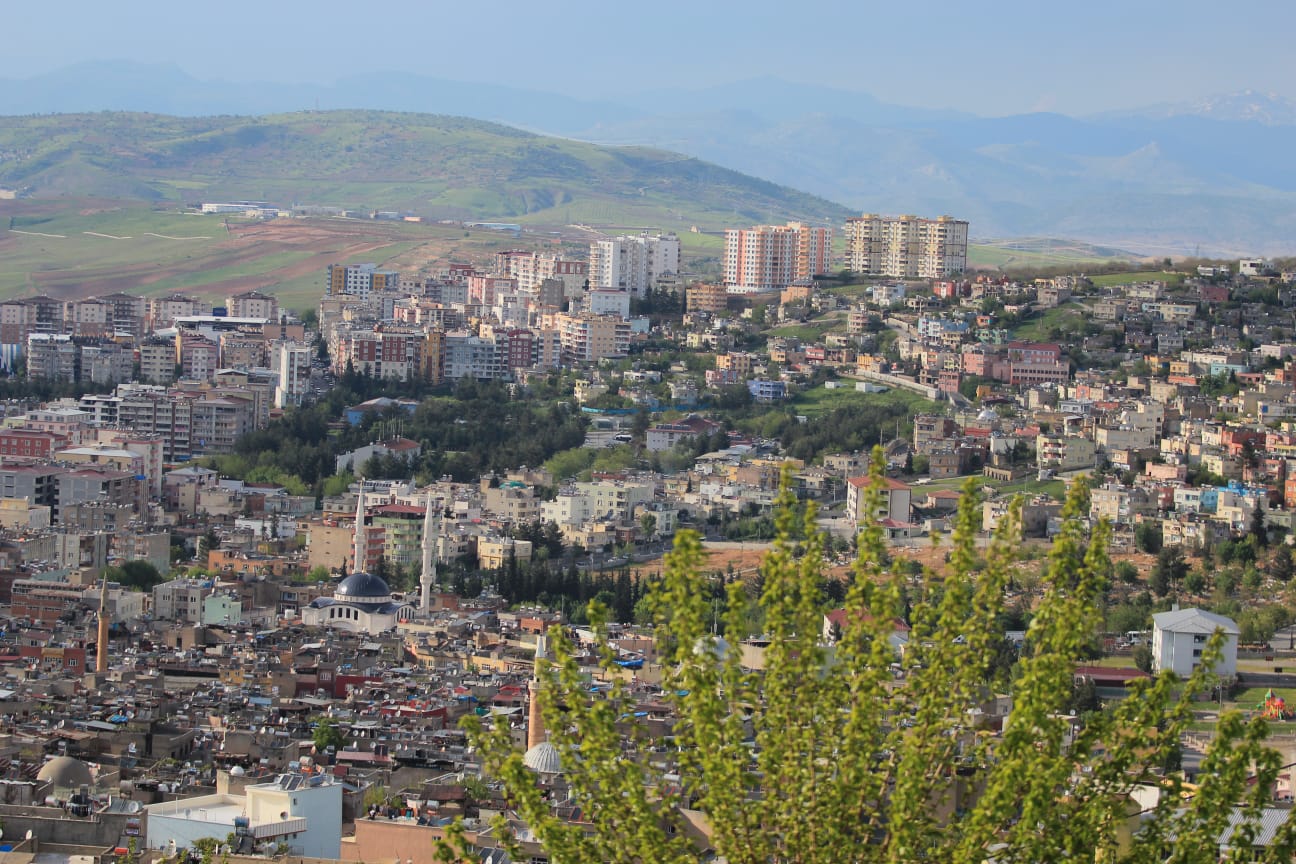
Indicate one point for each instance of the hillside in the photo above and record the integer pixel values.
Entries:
(436, 166)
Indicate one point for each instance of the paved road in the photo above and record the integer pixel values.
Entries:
(598, 439)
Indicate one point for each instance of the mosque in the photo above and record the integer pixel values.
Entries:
(363, 602)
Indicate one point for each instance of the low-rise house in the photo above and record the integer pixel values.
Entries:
(1179, 640)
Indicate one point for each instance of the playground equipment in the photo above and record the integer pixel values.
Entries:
(1274, 708)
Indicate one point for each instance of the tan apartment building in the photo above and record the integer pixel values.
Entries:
(906, 247)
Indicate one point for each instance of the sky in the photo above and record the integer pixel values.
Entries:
(992, 57)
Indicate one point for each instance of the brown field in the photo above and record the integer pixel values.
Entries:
(86, 248)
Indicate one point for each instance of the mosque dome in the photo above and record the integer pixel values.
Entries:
(64, 772)
(363, 589)
(543, 758)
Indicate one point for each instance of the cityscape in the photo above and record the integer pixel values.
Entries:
(601, 473)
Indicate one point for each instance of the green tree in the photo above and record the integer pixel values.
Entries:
(1257, 528)
(648, 526)
(1280, 565)
(318, 573)
(1126, 572)
(851, 760)
(328, 734)
(1169, 571)
(1142, 656)
(1195, 582)
(1147, 537)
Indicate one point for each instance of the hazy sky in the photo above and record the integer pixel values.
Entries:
(989, 57)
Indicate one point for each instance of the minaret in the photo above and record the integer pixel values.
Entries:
(430, 534)
(535, 721)
(360, 552)
(101, 645)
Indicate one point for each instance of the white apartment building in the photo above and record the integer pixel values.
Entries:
(906, 247)
(633, 264)
(531, 268)
(302, 811)
(772, 257)
(180, 600)
(608, 301)
(291, 361)
(1179, 639)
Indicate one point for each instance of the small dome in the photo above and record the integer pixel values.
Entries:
(64, 772)
(716, 646)
(363, 588)
(237, 771)
(543, 758)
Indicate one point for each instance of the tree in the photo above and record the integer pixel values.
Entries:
(648, 526)
(139, 575)
(1126, 572)
(1142, 656)
(1257, 528)
(1147, 537)
(318, 573)
(328, 734)
(851, 760)
(1280, 565)
(1169, 571)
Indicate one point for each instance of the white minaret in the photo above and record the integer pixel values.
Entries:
(361, 543)
(430, 534)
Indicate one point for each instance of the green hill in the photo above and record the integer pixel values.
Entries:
(435, 166)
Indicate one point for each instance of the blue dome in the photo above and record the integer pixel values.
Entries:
(362, 588)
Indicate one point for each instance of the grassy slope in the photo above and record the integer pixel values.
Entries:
(984, 256)
(440, 167)
(62, 255)
(821, 400)
(1109, 279)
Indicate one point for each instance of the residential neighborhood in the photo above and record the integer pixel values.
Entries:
(258, 565)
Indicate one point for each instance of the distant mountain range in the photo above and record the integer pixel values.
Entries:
(1214, 175)
(436, 166)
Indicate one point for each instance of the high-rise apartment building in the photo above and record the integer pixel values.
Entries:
(906, 246)
(772, 257)
(292, 364)
(530, 269)
(633, 264)
(589, 338)
(360, 279)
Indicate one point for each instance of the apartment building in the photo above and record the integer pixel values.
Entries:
(465, 355)
(360, 280)
(254, 304)
(906, 247)
(381, 351)
(531, 269)
(180, 600)
(163, 311)
(633, 264)
(187, 423)
(586, 338)
(53, 357)
(291, 362)
(772, 257)
(705, 297)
